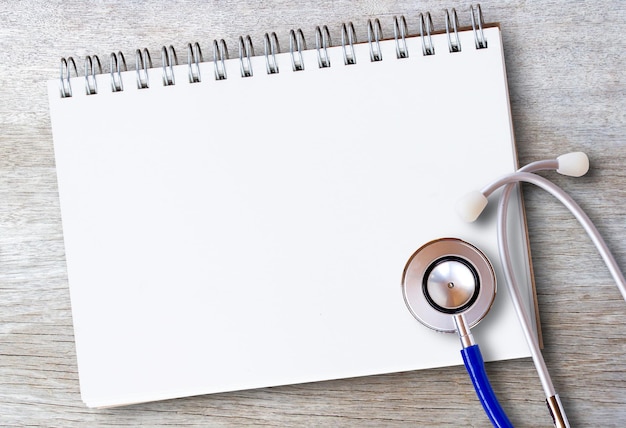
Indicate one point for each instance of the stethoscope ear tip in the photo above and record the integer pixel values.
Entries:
(470, 206)
(575, 164)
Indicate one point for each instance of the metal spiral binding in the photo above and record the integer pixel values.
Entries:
(322, 43)
(453, 46)
(168, 61)
(374, 30)
(117, 62)
(65, 86)
(142, 63)
(220, 54)
(348, 35)
(426, 25)
(479, 36)
(194, 58)
(271, 48)
(245, 50)
(297, 44)
(91, 86)
(400, 28)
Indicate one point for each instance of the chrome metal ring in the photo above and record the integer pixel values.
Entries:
(322, 43)
(453, 45)
(296, 45)
(194, 58)
(348, 37)
(374, 34)
(271, 48)
(220, 54)
(64, 83)
(118, 64)
(91, 85)
(142, 63)
(479, 36)
(426, 27)
(400, 33)
(418, 276)
(168, 61)
(246, 51)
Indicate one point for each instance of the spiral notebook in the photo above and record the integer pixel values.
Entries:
(242, 223)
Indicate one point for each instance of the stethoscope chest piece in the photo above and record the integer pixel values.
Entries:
(447, 277)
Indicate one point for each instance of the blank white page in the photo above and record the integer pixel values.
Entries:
(252, 232)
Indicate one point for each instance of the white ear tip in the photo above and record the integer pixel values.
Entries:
(471, 205)
(574, 164)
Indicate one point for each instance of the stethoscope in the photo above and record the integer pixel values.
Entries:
(449, 285)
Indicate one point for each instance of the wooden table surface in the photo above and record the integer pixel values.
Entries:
(565, 63)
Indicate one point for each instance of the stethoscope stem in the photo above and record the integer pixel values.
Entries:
(557, 412)
(553, 401)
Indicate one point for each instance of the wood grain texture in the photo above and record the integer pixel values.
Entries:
(565, 64)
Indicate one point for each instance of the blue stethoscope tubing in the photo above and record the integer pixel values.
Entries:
(473, 360)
